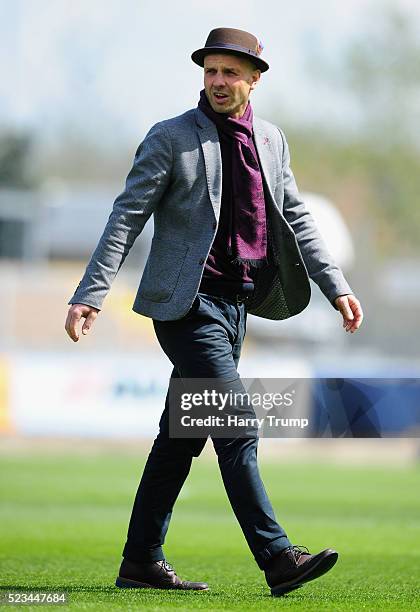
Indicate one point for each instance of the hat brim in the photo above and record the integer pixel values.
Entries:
(199, 55)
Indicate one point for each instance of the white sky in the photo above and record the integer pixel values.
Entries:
(114, 68)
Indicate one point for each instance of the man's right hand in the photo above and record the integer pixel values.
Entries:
(77, 312)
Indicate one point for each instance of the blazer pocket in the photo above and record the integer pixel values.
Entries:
(162, 269)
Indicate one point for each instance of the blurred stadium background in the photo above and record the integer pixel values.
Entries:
(81, 86)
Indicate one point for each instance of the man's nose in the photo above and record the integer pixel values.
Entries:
(219, 79)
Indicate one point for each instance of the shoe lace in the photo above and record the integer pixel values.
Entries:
(167, 566)
(299, 550)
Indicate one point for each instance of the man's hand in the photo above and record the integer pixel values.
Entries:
(350, 308)
(75, 313)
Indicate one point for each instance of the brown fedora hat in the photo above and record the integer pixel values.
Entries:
(230, 40)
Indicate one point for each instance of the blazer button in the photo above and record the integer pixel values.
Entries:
(201, 261)
(214, 225)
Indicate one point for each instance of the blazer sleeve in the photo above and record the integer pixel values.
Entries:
(145, 185)
(319, 263)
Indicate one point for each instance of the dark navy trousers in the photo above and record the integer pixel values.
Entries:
(205, 343)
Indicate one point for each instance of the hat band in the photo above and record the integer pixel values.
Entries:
(233, 48)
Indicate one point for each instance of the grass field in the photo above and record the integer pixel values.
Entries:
(64, 520)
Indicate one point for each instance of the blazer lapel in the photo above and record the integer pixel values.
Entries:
(210, 144)
(265, 153)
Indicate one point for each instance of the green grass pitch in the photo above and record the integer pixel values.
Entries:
(64, 520)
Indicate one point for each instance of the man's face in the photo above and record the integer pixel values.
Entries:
(228, 82)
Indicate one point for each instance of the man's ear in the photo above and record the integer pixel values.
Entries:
(255, 78)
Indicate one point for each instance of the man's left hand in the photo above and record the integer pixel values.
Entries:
(351, 310)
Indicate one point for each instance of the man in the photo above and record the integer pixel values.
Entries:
(231, 236)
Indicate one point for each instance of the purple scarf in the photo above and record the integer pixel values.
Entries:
(247, 239)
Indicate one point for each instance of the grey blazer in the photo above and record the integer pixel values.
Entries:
(177, 177)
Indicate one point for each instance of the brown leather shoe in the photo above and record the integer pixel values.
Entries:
(153, 575)
(294, 566)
